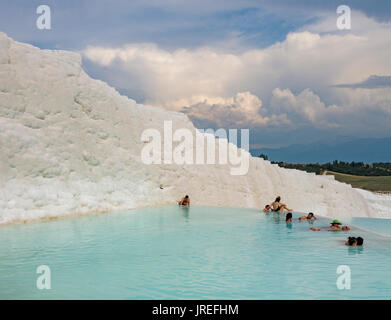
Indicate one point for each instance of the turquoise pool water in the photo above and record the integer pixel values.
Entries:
(380, 226)
(189, 253)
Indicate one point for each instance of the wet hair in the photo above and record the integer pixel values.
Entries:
(278, 199)
(310, 214)
(360, 241)
(186, 196)
(351, 241)
(288, 216)
(267, 206)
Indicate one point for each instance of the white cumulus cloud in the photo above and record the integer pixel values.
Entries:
(242, 110)
(291, 82)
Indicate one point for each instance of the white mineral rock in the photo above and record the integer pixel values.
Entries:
(70, 145)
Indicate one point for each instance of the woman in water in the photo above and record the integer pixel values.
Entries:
(288, 218)
(354, 242)
(278, 206)
(185, 201)
(351, 242)
(335, 226)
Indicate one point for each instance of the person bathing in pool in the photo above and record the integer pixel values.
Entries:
(185, 201)
(267, 208)
(335, 226)
(354, 242)
(310, 216)
(278, 206)
(288, 218)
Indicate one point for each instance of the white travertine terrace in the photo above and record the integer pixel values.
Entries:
(70, 144)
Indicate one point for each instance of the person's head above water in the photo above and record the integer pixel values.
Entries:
(278, 199)
(186, 197)
(351, 241)
(335, 223)
(310, 215)
(360, 241)
(288, 217)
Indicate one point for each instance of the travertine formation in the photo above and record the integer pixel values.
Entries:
(70, 144)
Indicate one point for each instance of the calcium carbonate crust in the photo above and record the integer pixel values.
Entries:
(70, 144)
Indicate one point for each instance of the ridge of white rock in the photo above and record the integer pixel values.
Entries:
(70, 144)
(378, 203)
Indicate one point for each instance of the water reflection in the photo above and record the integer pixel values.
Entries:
(277, 218)
(308, 221)
(185, 212)
(355, 250)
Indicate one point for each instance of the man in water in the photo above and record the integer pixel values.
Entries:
(267, 208)
(185, 201)
(310, 216)
(288, 218)
(278, 206)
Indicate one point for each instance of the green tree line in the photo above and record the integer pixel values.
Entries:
(354, 168)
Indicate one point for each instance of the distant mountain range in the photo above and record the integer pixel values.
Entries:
(360, 150)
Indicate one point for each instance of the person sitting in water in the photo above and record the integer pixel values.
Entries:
(278, 206)
(310, 216)
(267, 208)
(351, 242)
(185, 201)
(354, 242)
(288, 218)
(335, 226)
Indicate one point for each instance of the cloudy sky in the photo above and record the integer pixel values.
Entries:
(281, 68)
